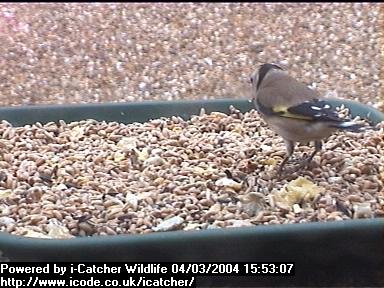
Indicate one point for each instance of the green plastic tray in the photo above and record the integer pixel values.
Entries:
(335, 253)
(143, 111)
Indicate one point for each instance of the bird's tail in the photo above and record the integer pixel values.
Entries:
(352, 126)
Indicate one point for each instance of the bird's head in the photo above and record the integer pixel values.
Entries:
(259, 75)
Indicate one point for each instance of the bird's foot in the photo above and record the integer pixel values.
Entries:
(286, 172)
(303, 164)
(290, 170)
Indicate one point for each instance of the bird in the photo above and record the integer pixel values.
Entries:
(294, 111)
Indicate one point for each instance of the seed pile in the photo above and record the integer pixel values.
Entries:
(89, 52)
(215, 170)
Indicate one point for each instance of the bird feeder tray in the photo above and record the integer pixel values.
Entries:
(349, 252)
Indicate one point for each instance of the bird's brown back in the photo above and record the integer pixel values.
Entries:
(278, 88)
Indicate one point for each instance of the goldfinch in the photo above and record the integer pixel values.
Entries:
(294, 111)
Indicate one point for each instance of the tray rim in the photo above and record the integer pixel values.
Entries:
(243, 104)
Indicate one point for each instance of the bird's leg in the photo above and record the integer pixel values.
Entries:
(318, 145)
(290, 145)
(304, 163)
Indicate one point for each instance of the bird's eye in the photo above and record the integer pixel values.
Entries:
(251, 80)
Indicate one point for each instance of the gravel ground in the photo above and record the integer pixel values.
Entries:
(77, 53)
(212, 171)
